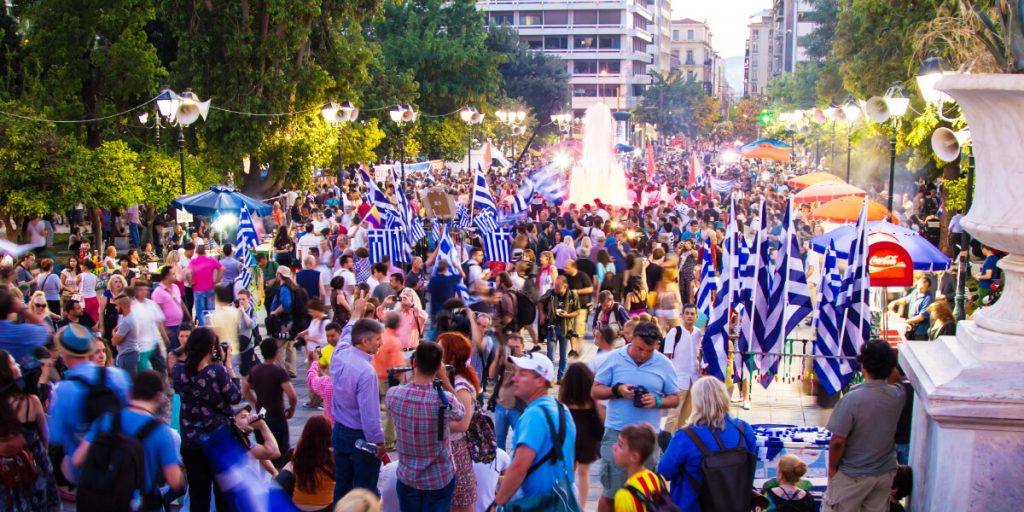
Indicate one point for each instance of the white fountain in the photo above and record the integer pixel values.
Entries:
(598, 174)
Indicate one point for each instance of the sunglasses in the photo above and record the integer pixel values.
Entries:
(39, 305)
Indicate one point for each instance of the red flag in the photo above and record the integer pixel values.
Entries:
(487, 156)
(696, 167)
(650, 160)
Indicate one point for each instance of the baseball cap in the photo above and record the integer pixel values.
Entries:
(75, 340)
(538, 363)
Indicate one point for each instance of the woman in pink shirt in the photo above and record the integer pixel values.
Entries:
(410, 328)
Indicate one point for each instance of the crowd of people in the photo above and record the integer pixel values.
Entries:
(436, 362)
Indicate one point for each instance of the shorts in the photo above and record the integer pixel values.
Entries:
(613, 476)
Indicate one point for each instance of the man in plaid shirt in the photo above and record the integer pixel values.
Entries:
(426, 470)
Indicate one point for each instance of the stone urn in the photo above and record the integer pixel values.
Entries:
(968, 423)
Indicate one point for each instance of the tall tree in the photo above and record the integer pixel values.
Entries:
(266, 56)
(745, 118)
(672, 103)
(92, 58)
(796, 90)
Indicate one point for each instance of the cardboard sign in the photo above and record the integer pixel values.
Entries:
(889, 264)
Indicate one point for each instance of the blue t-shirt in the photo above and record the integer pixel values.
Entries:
(232, 268)
(158, 446)
(656, 374)
(683, 458)
(990, 264)
(20, 340)
(441, 288)
(67, 407)
(532, 430)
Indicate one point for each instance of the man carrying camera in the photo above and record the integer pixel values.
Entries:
(559, 308)
(422, 410)
(637, 381)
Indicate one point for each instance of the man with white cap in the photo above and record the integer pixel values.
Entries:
(539, 467)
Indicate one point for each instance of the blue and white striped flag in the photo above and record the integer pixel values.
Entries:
(833, 374)
(462, 219)
(446, 252)
(715, 342)
(498, 245)
(485, 221)
(708, 281)
(549, 182)
(856, 326)
(245, 240)
(389, 243)
(413, 227)
(701, 181)
(389, 214)
(742, 297)
(766, 324)
(435, 229)
(482, 200)
(721, 186)
(790, 271)
(239, 476)
(521, 204)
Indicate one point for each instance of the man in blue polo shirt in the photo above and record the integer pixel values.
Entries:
(638, 381)
(533, 439)
(161, 457)
(68, 422)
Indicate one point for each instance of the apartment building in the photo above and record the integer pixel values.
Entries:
(790, 23)
(759, 56)
(662, 11)
(692, 53)
(608, 45)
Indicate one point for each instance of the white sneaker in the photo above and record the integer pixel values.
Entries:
(746, 405)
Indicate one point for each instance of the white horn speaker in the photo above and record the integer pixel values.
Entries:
(191, 109)
(819, 115)
(946, 143)
(877, 109)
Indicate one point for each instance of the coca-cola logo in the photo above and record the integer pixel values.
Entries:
(887, 261)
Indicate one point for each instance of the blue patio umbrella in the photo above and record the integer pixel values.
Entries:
(220, 199)
(926, 256)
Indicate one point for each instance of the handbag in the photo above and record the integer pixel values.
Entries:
(560, 498)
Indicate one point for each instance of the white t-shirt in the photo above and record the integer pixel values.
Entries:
(357, 238)
(517, 280)
(487, 479)
(87, 285)
(684, 354)
(37, 232)
(307, 242)
(148, 319)
(387, 486)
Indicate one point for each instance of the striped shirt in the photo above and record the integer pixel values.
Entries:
(645, 481)
(424, 463)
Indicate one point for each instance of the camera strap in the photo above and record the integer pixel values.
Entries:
(441, 409)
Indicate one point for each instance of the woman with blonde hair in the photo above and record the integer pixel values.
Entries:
(789, 495)
(547, 274)
(108, 313)
(714, 429)
(358, 500)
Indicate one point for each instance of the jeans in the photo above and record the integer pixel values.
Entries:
(902, 453)
(127, 360)
(247, 356)
(352, 466)
(200, 480)
(279, 429)
(204, 303)
(556, 335)
(172, 335)
(504, 419)
(133, 232)
(411, 499)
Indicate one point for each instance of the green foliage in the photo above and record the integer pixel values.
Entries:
(443, 137)
(673, 103)
(745, 117)
(956, 193)
(791, 91)
(823, 13)
(30, 175)
(160, 175)
(110, 175)
(92, 59)
(1003, 33)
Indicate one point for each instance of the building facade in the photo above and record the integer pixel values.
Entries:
(759, 57)
(608, 45)
(790, 23)
(692, 52)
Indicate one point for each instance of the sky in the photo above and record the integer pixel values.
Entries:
(728, 20)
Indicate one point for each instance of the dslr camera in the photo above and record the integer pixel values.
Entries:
(639, 392)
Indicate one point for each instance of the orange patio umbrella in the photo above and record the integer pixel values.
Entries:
(847, 209)
(826, 191)
(813, 179)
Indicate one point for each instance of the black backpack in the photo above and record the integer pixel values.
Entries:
(526, 310)
(100, 399)
(659, 501)
(728, 474)
(114, 473)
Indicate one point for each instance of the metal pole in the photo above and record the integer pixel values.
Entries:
(181, 155)
(817, 149)
(469, 166)
(964, 255)
(401, 142)
(849, 144)
(341, 165)
(832, 150)
(892, 166)
(158, 129)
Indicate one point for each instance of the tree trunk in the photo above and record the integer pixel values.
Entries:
(257, 187)
(11, 228)
(97, 230)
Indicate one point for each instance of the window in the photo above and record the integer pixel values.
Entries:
(609, 91)
(639, 22)
(689, 35)
(609, 42)
(675, 55)
(556, 18)
(675, 35)
(639, 45)
(754, 33)
(531, 19)
(638, 89)
(609, 18)
(639, 68)
(556, 43)
(584, 18)
(753, 64)
(753, 47)
(502, 18)
(609, 67)
(584, 67)
(584, 91)
(690, 75)
(689, 58)
(534, 43)
(584, 42)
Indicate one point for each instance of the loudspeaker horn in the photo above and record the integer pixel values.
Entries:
(877, 109)
(804, 130)
(819, 115)
(946, 143)
(191, 109)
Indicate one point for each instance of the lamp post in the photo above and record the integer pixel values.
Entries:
(337, 116)
(851, 112)
(890, 107)
(181, 109)
(835, 113)
(470, 116)
(564, 122)
(514, 119)
(401, 114)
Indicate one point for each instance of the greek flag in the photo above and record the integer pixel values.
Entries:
(482, 200)
(389, 215)
(389, 243)
(238, 476)
(446, 251)
(414, 228)
(721, 186)
(701, 181)
(521, 202)
(549, 183)
(766, 324)
(486, 221)
(715, 342)
(833, 374)
(245, 239)
(462, 219)
(790, 273)
(708, 281)
(435, 229)
(856, 327)
(498, 246)
(744, 273)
